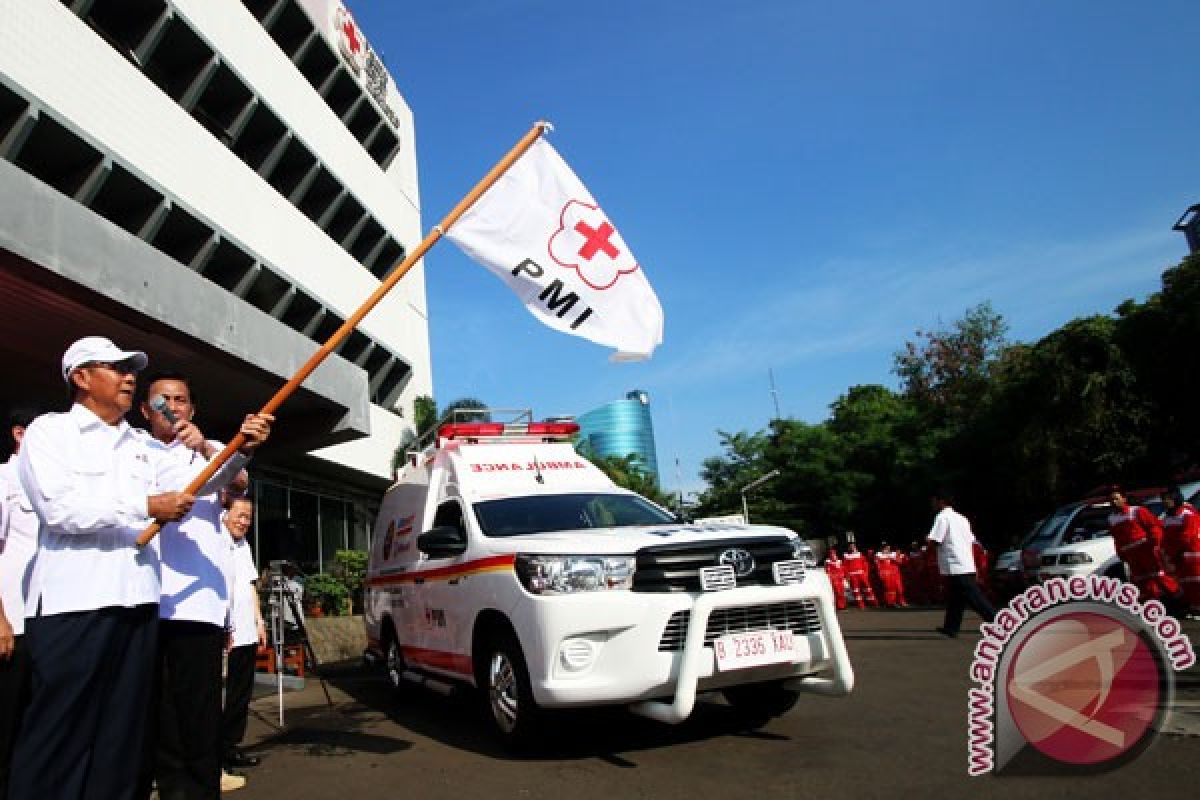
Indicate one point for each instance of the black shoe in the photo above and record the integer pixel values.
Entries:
(947, 633)
(238, 758)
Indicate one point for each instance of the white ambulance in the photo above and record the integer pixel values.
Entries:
(503, 560)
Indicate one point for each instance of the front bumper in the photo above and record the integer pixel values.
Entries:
(612, 647)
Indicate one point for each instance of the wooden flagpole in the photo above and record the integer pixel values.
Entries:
(352, 322)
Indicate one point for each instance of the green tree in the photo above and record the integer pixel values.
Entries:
(948, 369)
(744, 460)
(424, 414)
(471, 409)
(629, 472)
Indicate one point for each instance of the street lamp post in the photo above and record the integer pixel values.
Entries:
(751, 485)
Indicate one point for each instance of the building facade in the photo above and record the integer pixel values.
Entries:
(621, 428)
(220, 184)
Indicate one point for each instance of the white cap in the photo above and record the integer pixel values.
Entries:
(98, 348)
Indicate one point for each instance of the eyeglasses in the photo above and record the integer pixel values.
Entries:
(122, 367)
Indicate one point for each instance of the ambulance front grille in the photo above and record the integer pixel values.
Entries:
(676, 567)
(798, 616)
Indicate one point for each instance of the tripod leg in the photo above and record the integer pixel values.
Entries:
(309, 653)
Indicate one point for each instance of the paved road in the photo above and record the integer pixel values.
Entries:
(901, 734)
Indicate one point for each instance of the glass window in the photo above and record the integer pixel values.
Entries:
(333, 530)
(302, 528)
(520, 515)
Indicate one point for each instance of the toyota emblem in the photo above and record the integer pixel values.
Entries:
(741, 561)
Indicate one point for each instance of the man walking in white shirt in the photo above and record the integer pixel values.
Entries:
(951, 535)
(95, 483)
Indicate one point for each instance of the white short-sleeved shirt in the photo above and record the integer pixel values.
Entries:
(245, 596)
(18, 544)
(952, 532)
(194, 554)
(88, 482)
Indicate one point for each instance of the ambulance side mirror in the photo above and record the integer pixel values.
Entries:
(444, 541)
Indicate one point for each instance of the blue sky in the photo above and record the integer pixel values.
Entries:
(805, 183)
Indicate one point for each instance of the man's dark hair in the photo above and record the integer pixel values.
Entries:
(945, 494)
(234, 499)
(164, 375)
(1174, 495)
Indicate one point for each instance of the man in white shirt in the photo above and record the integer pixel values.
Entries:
(951, 535)
(194, 612)
(18, 543)
(249, 633)
(91, 608)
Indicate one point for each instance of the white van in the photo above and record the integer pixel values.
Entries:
(505, 561)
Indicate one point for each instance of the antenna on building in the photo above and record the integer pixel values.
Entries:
(774, 394)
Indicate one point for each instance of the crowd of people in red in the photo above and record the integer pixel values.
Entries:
(891, 578)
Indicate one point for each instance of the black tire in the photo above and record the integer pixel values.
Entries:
(393, 661)
(508, 705)
(759, 703)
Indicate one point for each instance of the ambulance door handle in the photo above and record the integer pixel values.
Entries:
(418, 581)
(454, 581)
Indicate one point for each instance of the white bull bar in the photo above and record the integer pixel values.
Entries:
(841, 682)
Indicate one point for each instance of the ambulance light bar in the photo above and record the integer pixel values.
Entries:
(470, 430)
(552, 428)
(484, 430)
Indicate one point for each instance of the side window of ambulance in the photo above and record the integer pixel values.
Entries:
(449, 514)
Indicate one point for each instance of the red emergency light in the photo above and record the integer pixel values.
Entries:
(470, 430)
(553, 428)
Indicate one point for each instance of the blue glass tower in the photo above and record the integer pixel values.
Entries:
(620, 428)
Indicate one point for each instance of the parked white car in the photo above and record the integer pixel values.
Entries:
(1095, 556)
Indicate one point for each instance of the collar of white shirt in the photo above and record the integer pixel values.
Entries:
(86, 419)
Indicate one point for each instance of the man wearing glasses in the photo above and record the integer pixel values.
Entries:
(92, 604)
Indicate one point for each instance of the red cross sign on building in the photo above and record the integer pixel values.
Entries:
(589, 244)
(351, 44)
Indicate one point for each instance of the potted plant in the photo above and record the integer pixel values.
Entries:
(326, 592)
(350, 566)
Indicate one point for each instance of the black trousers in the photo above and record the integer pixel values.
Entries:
(82, 734)
(14, 694)
(239, 686)
(962, 591)
(187, 758)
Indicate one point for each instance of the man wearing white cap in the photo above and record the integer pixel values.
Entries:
(92, 604)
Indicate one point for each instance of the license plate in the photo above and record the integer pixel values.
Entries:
(755, 649)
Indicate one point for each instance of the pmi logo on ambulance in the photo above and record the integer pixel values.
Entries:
(1074, 675)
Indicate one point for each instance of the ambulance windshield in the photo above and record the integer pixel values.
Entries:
(516, 516)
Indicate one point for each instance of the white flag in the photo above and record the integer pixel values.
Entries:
(540, 230)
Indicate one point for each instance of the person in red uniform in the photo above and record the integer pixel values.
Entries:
(887, 567)
(1181, 543)
(836, 575)
(982, 574)
(857, 574)
(1137, 535)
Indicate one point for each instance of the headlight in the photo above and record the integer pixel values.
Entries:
(569, 574)
(1075, 558)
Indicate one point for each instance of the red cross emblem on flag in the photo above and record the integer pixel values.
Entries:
(589, 244)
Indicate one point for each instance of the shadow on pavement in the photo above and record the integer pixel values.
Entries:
(457, 721)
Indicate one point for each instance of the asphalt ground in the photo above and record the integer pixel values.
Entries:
(902, 733)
